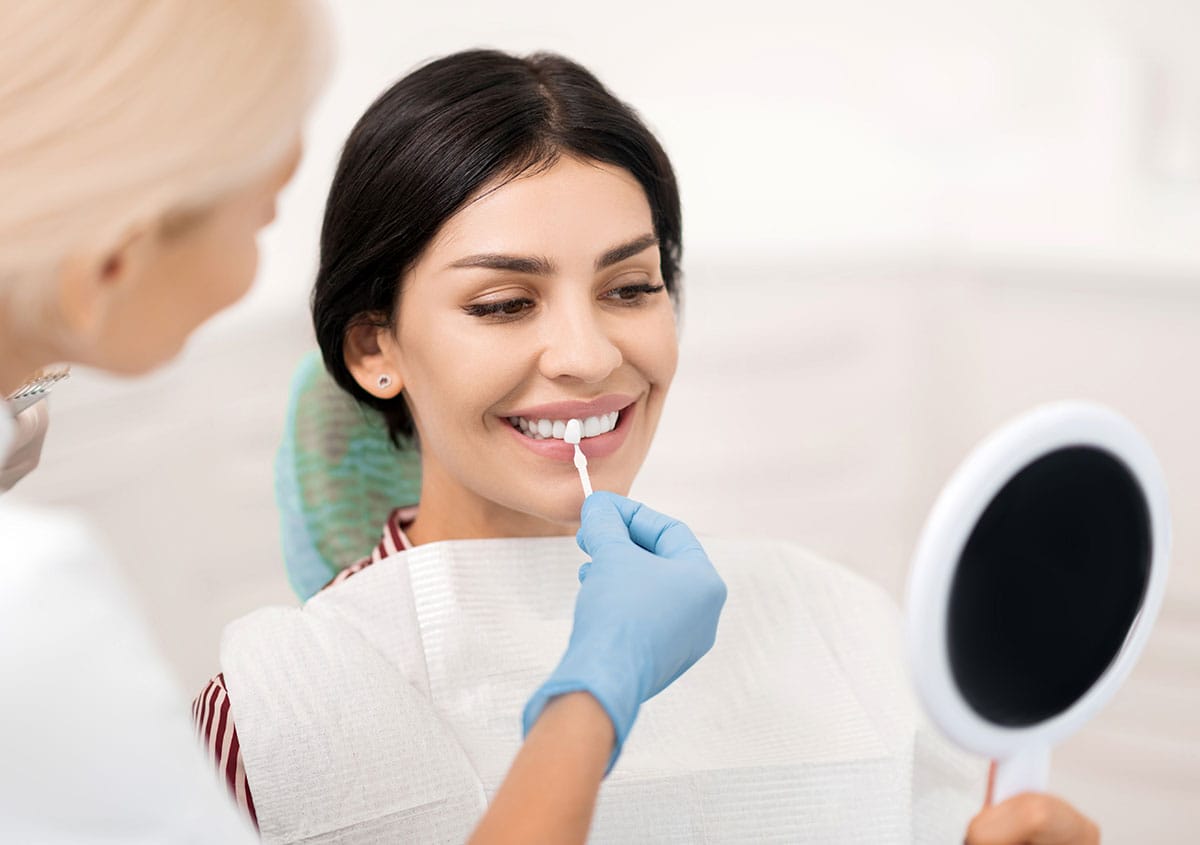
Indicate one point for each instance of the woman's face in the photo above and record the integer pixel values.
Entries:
(539, 302)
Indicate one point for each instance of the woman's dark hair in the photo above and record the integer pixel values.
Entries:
(428, 144)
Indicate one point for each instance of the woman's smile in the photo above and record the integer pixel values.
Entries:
(606, 423)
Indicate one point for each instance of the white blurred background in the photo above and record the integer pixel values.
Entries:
(904, 224)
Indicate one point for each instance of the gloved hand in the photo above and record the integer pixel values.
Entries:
(26, 450)
(646, 611)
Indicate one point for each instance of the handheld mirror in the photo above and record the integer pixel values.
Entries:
(1035, 584)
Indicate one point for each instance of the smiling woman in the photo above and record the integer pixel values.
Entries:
(500, 255)
(433, 277)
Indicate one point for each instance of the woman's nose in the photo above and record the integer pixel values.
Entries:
(576, 345)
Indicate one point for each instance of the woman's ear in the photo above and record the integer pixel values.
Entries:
(373, 357)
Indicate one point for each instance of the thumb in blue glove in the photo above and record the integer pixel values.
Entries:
(647, 610)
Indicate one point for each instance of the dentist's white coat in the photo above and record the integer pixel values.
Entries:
(96, 743)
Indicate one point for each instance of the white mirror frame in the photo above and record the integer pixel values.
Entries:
(1022, 754)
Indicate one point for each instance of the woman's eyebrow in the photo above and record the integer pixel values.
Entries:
(626, 250)
(531, 265)
(536, 265)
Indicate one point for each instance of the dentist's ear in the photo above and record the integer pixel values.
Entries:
(92, 279)
(372, 356)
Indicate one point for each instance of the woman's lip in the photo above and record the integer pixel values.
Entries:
(600, 446)
(575, 410)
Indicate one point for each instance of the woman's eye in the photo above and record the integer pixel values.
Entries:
(632, 294)
(504, 309)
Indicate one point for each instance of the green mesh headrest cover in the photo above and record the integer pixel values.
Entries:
(337, 477)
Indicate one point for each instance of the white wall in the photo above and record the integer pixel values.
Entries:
(1063, 133)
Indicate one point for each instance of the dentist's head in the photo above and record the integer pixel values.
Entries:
(142, 145)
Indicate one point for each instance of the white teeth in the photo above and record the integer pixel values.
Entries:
(541, 429)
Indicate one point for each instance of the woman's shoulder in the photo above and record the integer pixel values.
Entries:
(801, 606)
(859, 621)
(329, 629)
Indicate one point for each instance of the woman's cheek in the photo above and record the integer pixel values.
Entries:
(657, 350)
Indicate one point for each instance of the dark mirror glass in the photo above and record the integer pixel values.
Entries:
(1048, 586)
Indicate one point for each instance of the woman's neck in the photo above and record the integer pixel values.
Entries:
(450, 512)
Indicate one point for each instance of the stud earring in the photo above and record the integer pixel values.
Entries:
(385, 381)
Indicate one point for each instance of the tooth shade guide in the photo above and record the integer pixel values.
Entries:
(572, 432)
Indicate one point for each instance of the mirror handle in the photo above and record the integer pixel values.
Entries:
(1028, 770)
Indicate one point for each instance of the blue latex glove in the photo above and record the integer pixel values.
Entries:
(646, 611)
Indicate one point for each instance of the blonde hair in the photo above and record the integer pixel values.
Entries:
(118, 112)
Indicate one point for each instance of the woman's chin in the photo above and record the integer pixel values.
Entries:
(563, 511)
(548, 504)
(561, 516)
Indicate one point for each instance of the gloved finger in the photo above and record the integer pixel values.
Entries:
(26, 449)
(664, 535)
(32, 423)
(601, 524)
(656, 532)
(583, 571)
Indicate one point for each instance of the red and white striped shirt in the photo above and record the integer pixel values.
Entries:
(211, 711)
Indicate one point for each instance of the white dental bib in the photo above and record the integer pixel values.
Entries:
(387, 709)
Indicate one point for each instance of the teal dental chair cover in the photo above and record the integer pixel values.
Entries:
(337, 477)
